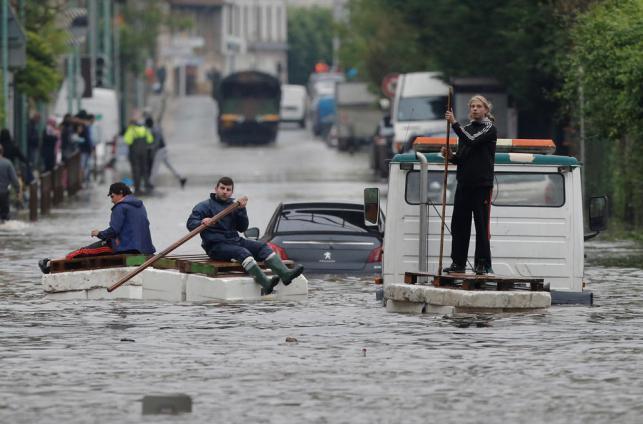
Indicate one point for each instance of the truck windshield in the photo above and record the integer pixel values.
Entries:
(421, 108)
(509, 189)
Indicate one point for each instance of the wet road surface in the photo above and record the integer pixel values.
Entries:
(353, 362)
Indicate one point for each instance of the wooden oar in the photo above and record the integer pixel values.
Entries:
(444, 188)
(173, 246)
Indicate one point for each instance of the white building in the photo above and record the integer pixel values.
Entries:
(226, 36)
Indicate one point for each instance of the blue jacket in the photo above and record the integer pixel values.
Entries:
(129, 228)
(227, 229)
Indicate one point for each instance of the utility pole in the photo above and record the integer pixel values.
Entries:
(5, 61)
(93, 35)
(22, 109)
(581, 124)
(107, 41)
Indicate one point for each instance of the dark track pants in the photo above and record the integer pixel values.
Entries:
(470, 201)
(4, 206)
(139, 160)
(239, 250)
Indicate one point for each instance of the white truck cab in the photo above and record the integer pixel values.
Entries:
(536, 216)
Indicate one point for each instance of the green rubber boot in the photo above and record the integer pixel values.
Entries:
(286, 275)
(267, 284)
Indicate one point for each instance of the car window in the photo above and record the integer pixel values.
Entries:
(509, 188)
(421, 108)
(321, 220)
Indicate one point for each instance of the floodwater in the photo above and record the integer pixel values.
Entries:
(93, 361)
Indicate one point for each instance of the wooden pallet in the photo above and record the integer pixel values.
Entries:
(189, 264)
(466, 281)
(95, 262)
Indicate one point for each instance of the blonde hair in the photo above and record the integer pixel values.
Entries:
(487, 104)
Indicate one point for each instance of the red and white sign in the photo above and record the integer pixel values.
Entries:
(389, 83)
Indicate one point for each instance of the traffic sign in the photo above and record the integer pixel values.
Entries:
(389, 82)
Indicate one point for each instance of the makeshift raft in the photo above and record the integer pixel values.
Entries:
(461, 292)
(191, 278)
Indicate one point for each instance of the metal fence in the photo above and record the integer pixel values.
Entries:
(49, 189)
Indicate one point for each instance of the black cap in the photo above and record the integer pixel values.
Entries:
(119, 188)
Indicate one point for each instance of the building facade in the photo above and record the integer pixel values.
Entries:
(226, 36)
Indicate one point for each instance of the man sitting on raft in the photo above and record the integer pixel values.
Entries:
(128, 231)
(221, 241)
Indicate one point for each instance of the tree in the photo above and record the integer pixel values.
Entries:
(46, 43)
(607, 62)
(140, 27)
(310, 39)
(377, 41)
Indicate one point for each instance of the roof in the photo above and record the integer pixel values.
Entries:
(196, 2)
(501, 159)
(324, 205)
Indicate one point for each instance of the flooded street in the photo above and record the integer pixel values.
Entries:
(93, 361)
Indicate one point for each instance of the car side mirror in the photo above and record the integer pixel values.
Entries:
(598, 213)
(252, 233)
(371, 206)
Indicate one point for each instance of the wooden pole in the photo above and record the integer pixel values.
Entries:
(173, 246)
(444, 188)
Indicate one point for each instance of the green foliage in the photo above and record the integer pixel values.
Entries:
(376, 41)
(511, 40)
(142, 21)
(310, 39)
(607, 62)
(40, 77)
(45, 44)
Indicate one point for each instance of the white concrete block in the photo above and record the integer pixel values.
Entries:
(160, 284)
(439, 310)
(123, 292)
(297, 288)
(68, 295)
(84, 280)
(404, 307)
(199, 288)
(466, 299)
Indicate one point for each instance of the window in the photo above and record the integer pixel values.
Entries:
(246, 26)
(258, 23)
(321, 220)
(230, 20)
(269, 23)
(510, 188)
(421, 108)
(278, 24)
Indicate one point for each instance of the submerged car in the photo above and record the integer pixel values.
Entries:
(325, 237)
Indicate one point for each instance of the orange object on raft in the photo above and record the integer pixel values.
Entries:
(511, 145)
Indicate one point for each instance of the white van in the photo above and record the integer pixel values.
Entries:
(104, 106)
(293, 104)
(418, 108)
(536, 226)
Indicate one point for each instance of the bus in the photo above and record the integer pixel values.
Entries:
(249, 104)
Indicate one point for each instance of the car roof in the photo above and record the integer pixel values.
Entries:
(324, 205)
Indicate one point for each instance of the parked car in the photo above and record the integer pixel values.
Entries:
(325, 237)
(382, 147)
(293, 104)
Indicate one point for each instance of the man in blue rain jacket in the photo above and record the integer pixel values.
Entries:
(128, 231)
(221, 240)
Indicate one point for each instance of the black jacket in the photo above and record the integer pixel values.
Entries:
(227, 229)
(476, 153)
